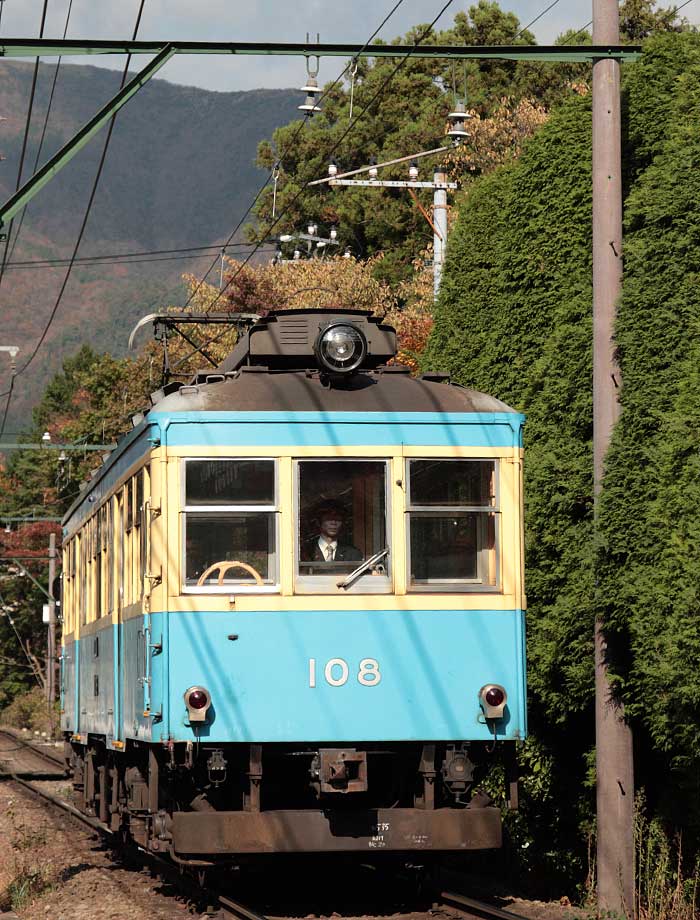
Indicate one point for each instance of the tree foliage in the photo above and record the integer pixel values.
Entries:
(514, 319)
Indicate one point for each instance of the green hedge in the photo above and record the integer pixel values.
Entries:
(514, 319)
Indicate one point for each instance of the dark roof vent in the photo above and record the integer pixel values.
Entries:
(437, 377)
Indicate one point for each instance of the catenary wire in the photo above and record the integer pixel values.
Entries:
(19, 639)
(7, 402)
(43, 130)
(536, 19)
(178, 258)
(107, 258)
(86, 214)
(335, 147)
(299, 129)
(323, 96)
(25, 139)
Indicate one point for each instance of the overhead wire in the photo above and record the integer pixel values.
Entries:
(175, 258)
(25, 139)
(9, 617)
(257, 246)
(676, 9)
(280, 157)
(7, 402)
(86, 215)
(43, 130)
(667, 15)
(119, 258)
(536, 19)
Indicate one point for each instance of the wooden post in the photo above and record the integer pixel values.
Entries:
(614, 754)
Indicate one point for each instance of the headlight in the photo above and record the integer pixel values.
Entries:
(341, 348)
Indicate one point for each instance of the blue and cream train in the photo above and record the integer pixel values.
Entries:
(241, 676)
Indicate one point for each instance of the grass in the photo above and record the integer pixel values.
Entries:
(27, 879)
(28, 883)
(664, 890)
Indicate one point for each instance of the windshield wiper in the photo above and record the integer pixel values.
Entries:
(354, 575)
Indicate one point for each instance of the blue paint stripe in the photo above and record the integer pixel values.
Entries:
(330, 429)
(432, 664)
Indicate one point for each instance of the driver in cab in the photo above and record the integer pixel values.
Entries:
(328, 545)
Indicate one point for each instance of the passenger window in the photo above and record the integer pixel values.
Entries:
(452, 524)
(230, 524)
(342, 535)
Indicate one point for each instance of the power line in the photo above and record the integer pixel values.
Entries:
(43, 130)
(677, 9)
(381, 89)
(178, 258)
(342, 137)
(300, 128)
(350, 127)
(87, 212)
(5, 609)
(330, 153)
(7, 403)
(536, 19)
(26, 137)
(118, 258)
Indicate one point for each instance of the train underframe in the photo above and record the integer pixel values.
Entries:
(207, 803)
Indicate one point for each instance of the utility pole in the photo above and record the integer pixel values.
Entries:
(439, 226)
(51, 645)
(614, 753)
(439, 185)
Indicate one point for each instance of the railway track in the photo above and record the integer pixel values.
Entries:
(220, 905)
(18, 743)
(23, 778)
(478, 908)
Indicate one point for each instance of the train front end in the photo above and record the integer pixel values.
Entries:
(341, 616)
(329, 653)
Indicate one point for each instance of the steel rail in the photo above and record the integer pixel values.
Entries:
(52, 47)
(479, 907)
(235, 909)
(93, 823)
(54, 759)
(228, 907)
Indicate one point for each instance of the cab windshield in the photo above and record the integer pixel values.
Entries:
(342, 524)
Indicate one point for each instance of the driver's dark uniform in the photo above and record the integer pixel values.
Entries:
(344, 552)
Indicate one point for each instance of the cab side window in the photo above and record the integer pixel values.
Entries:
(230, 523)
(452, 524)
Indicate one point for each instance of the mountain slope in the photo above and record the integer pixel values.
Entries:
(179, 172)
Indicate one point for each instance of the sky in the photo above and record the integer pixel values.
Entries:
(260, 20)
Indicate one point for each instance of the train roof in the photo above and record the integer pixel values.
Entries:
(390, 389)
